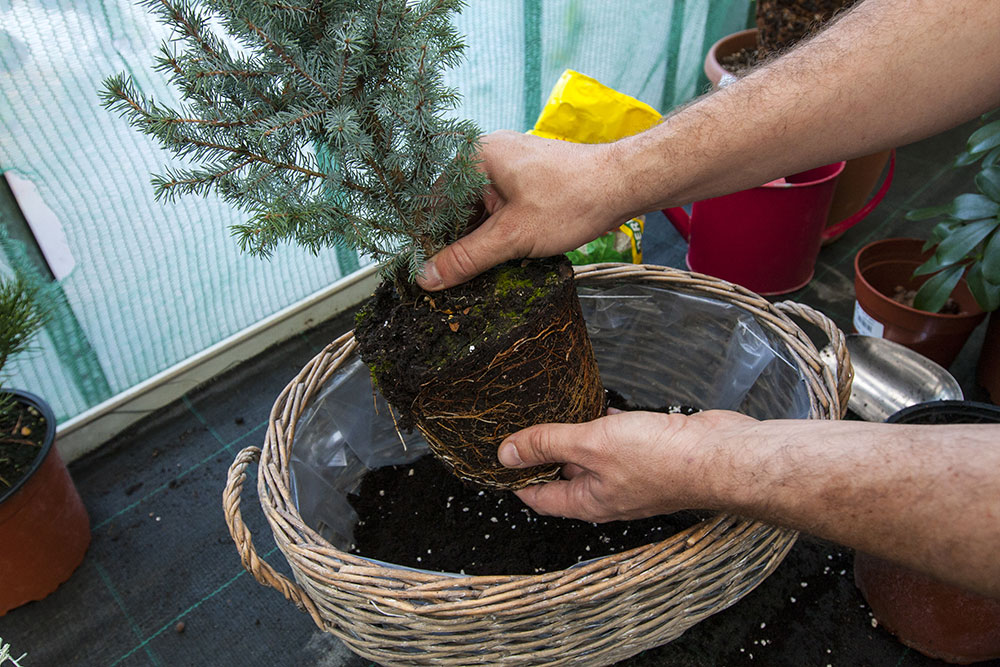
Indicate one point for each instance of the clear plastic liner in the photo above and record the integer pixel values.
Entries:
(654, 346)
(344, 432)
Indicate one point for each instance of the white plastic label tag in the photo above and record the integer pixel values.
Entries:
(865, 324)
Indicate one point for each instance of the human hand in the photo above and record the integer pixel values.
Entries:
(546, 197)
(629, 465)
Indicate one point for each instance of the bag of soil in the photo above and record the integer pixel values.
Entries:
(583, 110)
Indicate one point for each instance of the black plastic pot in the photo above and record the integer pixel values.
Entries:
(45, 409)
(937, 619)
(947, 412)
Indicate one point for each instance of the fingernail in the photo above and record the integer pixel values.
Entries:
(508, 455)
(429, 278)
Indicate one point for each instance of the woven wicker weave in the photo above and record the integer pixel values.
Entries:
(593, 614)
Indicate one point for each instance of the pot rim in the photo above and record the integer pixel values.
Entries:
(711, 66)
(889, 301)
(42, 406)
(954, 407)
(731, 37)
(833, 169)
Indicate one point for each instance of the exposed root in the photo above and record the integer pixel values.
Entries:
(395, 424)
(540, 369)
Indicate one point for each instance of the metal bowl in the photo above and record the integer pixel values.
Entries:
(889, 377)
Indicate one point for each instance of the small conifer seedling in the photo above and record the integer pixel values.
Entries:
(327, 122)
(21, 317)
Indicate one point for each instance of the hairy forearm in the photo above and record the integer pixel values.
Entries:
(885, 74)
(924, 496)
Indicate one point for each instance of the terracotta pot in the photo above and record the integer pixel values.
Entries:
(939, 620)
(44, 527)
(727, 46)
(881, 267)
(989, 359)
(935, 618)
(855, 186)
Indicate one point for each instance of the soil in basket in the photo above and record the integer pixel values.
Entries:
(422, 516)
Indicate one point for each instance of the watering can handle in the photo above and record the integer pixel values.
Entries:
(681, 221)
(862, 213)
(838, 343)
(253, 564)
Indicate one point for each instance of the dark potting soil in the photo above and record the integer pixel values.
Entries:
(783, 23)
(422, 516)
(22, 434)
(780, 25)
(740, 62)
(405, 337)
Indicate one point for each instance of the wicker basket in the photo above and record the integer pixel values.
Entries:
(594, 614)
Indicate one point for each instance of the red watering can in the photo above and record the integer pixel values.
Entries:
(766, 238)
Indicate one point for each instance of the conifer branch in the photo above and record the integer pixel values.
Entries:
(253, 156)
(188, 25)
(239, 74)
(295, 121)
(178, 19)
(211, 122)
(193, 182)
(289, 8)
(328, 128)
(287, 59)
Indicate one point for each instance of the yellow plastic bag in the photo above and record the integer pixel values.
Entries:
(583, 110)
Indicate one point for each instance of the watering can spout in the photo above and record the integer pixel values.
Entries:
(681, 221)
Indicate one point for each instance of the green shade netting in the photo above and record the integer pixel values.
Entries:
(152, 284)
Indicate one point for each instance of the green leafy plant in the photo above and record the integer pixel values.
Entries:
(967, 240)
(325, 120)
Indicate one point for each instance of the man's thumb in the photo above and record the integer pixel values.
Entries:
(535, 445)
(464, 259)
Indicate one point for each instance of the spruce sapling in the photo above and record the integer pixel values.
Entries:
(325, 120)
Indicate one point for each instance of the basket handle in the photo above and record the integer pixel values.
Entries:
(253, 564)
(838, 344)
